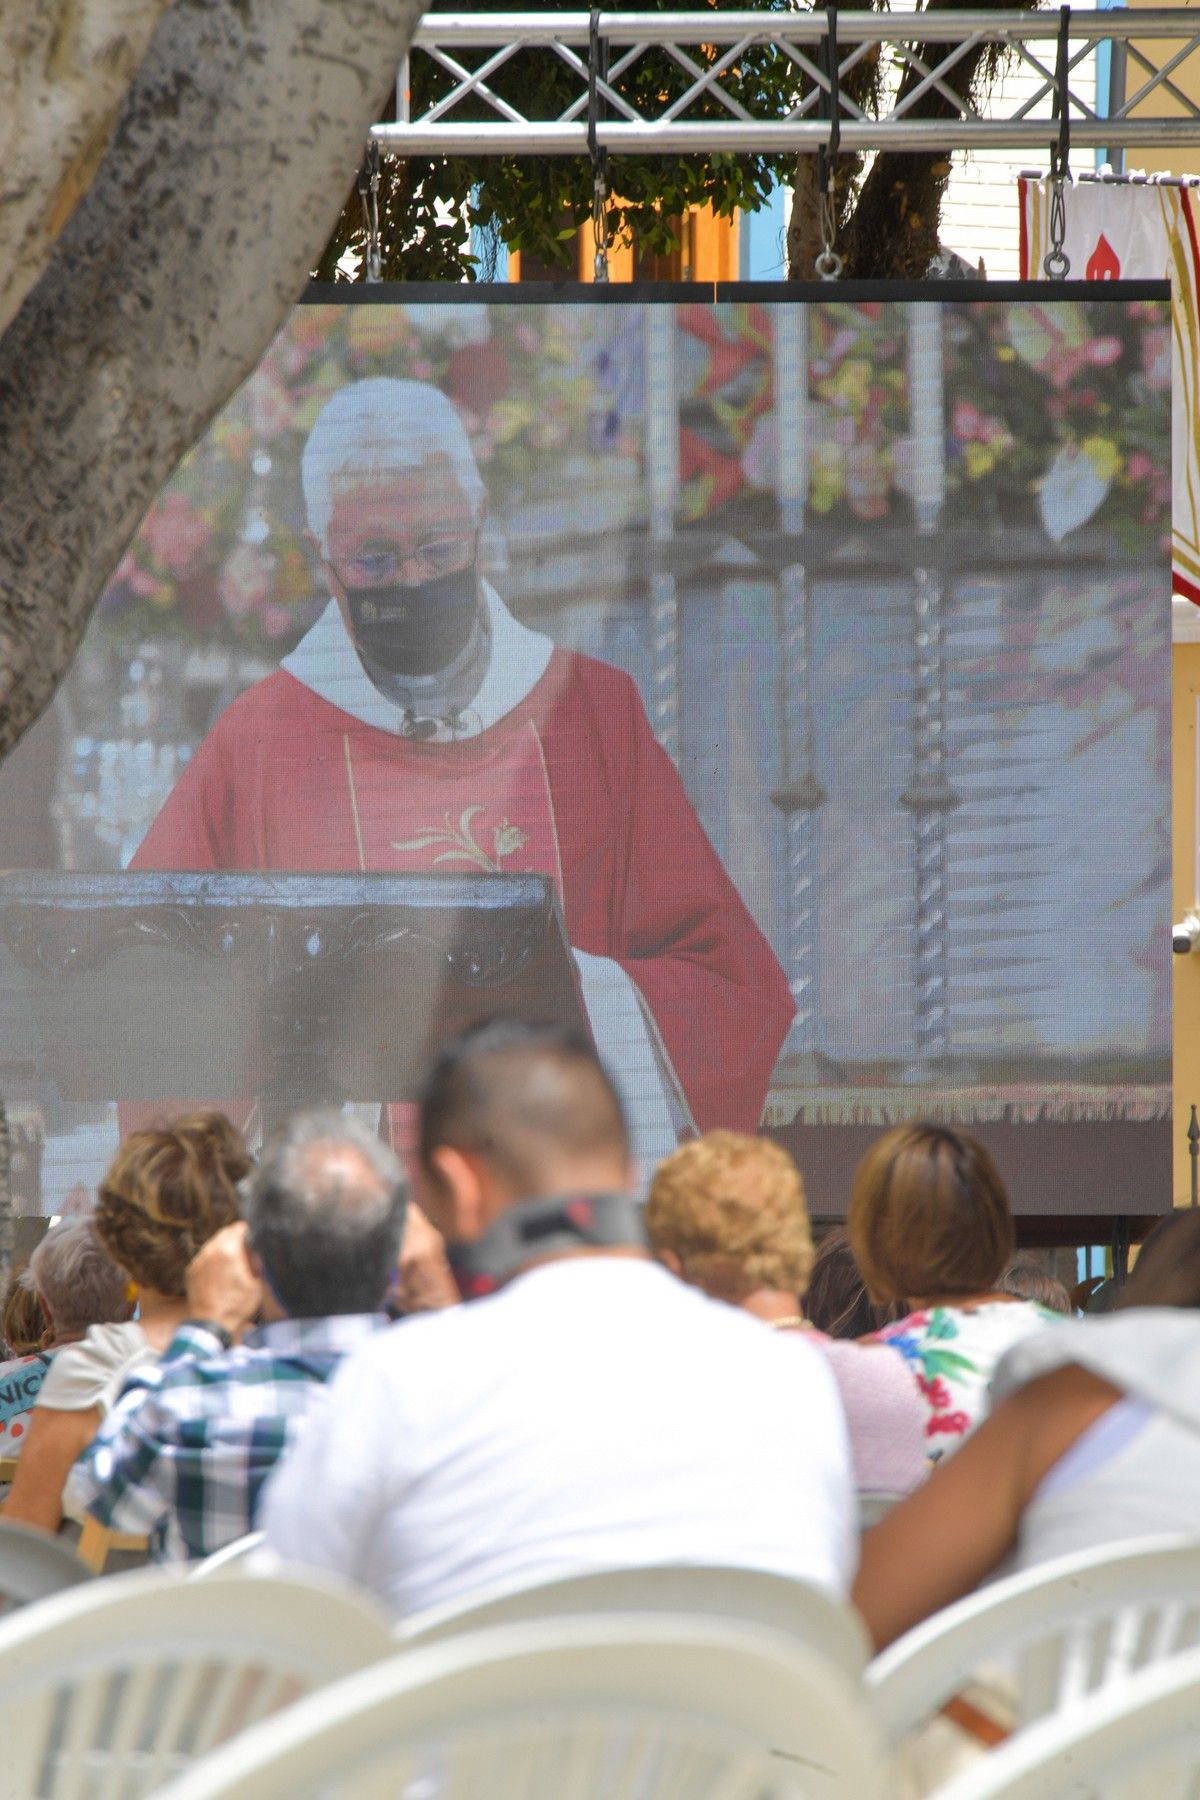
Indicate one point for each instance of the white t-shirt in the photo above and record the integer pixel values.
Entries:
(596, 1413)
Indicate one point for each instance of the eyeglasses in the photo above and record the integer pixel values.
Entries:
(379, 565)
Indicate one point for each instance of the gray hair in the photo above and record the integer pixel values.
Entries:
(373, 427)
(76, 1279)
(325, 1210)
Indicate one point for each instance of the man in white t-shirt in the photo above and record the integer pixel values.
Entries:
(584, 1410)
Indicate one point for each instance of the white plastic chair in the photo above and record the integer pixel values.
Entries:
(639, 1708)
(1140, 1741)
(230, 1556)
(804, 1613)
(112, 1688)
(1066, 1629)
(34, 1565)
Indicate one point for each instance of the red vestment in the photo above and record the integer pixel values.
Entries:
(570, 782)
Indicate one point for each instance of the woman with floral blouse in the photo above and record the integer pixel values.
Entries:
(930, 1225)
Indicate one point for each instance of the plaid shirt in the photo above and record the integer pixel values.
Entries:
(183, 1454)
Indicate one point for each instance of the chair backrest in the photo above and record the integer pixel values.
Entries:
(1140, 1741)
(807, 1615)
(112, 1688)
(600, 1708)
(231, 1556)
(1065, 1629)
(34, 1565)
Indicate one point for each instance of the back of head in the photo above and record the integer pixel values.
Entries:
(532, 1102)
(731, 1209)
(325, 1215)
(929, 1216)
(24, 1324)
(76, 1279)
(1167, 1271)
(166, 1193)
(1027, 1281)
(837, 1301)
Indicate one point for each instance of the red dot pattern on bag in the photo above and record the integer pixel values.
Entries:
(1103, 264)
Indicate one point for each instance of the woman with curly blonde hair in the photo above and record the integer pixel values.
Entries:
(727, 1214)
(167, 1192)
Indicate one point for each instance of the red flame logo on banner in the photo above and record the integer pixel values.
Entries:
(1103, 264)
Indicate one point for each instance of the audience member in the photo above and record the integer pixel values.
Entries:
(930, 1224)
(727, 1214)
(585, 1410)
(70, 1284)
(167, 1192)
(424, 1281)
(1028, 1281)
(1094, 1440)
(184, 1453)
(837, 1301)
(24, 1324)
(1167, 1270)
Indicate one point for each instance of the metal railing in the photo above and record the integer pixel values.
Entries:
(472, 49)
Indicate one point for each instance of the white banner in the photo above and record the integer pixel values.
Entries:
(1122, 231)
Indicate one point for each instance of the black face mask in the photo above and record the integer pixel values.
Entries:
(416, 630)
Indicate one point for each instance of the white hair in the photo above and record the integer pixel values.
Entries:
(378, 425)
(76, 1279)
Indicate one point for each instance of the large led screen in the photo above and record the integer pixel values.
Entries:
(777, 686)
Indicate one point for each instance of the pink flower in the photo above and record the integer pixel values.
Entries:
(1156, 359)
(274, 619)
(272, 406)
(175, 533)
(1103, 352)
(948, 1425)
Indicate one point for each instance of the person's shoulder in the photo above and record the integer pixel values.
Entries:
(274, 700)
(603, 682)
(80, 1374)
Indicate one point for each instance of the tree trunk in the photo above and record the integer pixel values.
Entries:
(69, 64)
(892, 231)
(233, 153)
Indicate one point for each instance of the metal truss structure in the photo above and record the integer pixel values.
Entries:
(1147, 109)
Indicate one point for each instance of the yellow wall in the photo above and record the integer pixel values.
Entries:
(709, 252)
(1185, 674)
(1161, 104)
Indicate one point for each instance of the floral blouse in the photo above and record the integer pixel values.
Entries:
(953, 1352)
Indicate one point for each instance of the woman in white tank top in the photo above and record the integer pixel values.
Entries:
(1094, 1439)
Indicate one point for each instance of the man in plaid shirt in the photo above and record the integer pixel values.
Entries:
(183, 1454)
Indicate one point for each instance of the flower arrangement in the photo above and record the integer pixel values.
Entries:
(1058, 413)
(223, 555)
(1053, 411)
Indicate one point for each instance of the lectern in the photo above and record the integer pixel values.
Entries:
(296, 989)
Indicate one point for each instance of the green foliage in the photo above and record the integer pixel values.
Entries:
(536, 204)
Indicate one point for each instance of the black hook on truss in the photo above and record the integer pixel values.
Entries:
(1056, 263)
(829, 263)
(597, 72)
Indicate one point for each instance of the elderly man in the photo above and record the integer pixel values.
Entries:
(418, 725)
(183, 1454)
(584, 1410)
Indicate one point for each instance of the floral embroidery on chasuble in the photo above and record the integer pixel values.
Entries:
(479, 806)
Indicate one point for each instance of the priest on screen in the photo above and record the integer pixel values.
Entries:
(419, 725)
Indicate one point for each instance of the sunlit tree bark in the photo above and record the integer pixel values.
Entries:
(220, 186)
